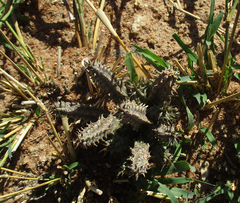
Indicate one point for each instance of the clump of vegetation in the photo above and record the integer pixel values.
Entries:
(149, 123)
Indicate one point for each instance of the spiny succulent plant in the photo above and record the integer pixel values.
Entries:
(139, 158)
(151, 123)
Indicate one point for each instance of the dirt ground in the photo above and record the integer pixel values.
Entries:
(148, 24)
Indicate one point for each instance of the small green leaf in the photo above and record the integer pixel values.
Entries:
(10, 150)
(25, 69)
(4, 43)
(201, 98)
(177, 152)
(208, 43)
(217, 192)
(178, 192)
(131, 68)
(152, 58)
(188, 51)
(5, 127)
(66, 166)
(74, 165)
(237, 147)
(215, 25)
(38, 111)
(237, 75)
(176, 167)
(163, 189)
(197, 192)
(189, 113)
(172, 181)
(208, 134)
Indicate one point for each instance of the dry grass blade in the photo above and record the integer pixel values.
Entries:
(19, 69)
(69, 139)
(226, 56)
(94, 188)
(12, 171)
(102, 16)
(201, 65)
(24, 133)
(99, 44)
(15, 120)
(95, 35)
(20, 55)
(179, 7)
(25, 178)
(27, 189)
(14, 87)
(225, 99)
(10, 133)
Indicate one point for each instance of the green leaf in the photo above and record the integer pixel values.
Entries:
(237, 147)
(189, 113)
(201, 98)
(208, 134)
(176, 167)
(38, 111)
(188, 51)
(163, 189)
(178, 192)
(237, 75)
(74, 165)
(151, 58)
(236, 66)
(66, 166)
(4, 43)
(25, 69)
(131, 68)
(177, 152)
(215, 25)
(7, 142)
(186, 78)
(10, 150)
(5, 127)
(197, 192)
(172, 181)
(217, 192)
